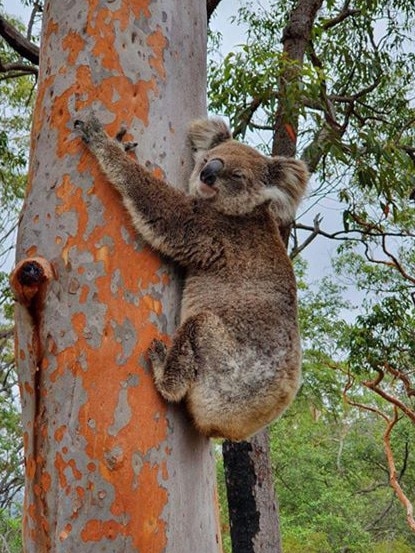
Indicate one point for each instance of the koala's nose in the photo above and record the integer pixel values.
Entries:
(210, 171)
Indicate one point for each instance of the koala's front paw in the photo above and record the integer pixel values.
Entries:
(90, 130)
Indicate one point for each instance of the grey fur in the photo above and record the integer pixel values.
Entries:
(235, 359)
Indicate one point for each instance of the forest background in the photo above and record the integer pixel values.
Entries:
(343, 456)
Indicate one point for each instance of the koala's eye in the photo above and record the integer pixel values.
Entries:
(238, 175)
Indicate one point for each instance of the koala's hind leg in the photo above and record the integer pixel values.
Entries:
(175, 369)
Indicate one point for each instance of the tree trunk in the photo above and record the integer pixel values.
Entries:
(295, 38)
(109, 467)
(253, 510)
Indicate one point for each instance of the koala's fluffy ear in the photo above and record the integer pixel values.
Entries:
(287, 182)
(205, 134)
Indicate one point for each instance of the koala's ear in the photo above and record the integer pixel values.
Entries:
(205, 134)
(287, 182)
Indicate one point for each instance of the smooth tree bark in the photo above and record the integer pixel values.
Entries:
(109, 466)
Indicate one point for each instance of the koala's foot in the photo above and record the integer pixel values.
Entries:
(168, 374)
(157, 354)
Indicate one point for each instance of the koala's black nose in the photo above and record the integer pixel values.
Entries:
(210, 171)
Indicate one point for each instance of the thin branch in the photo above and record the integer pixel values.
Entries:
(345, 234)
(246, 116)
(354, 97)
(382, 515)
(393, 479)
(37, 8)
(404, 463)
(349, 384)
(344, 14)
(341, 17)
(397, 403)
(410, 391)
(396, 262)
(17, 70)
(299, 248)
(18, 42)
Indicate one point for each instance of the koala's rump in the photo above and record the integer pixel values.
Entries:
(249, 352)
(239, 397)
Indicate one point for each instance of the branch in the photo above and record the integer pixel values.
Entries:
(18, 42)
(397, 403)
(17, 70)
(37, 8)
(246, 116)
(315, 232)
(342, 235)
(390, 423)
(348, 386)
(394, 263)
(344, 14)
(393, 479)
(410, 391)
(211, 6)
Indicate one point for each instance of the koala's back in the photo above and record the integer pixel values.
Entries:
(251, 348)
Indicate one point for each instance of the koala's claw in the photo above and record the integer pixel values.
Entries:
(157, 352)
(121, 133)
(128, 146)
(80, 126)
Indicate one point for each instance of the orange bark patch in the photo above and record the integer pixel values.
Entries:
(59, 433)
(96, 530)
(65, 532)
(45, 481)
(157, 42)
(74, 44)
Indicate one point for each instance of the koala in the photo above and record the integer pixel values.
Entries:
(235, 358)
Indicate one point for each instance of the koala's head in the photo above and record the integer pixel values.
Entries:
(236, 178)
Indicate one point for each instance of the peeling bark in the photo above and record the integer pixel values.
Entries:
(109, 467)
